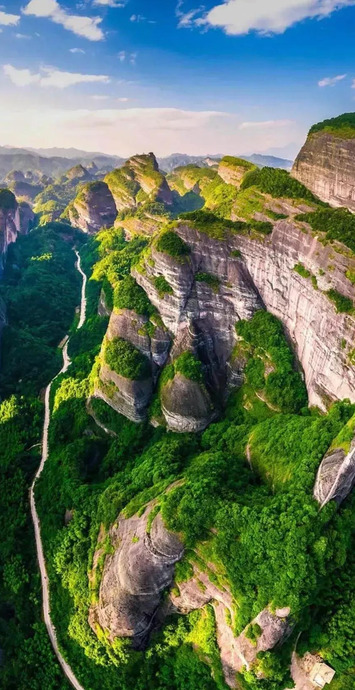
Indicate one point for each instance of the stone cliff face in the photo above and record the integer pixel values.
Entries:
(134, 577)
(93, 208)
(14, 219)
(326, 165)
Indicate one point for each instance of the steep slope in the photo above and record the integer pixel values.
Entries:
(326, 164)
(14, 219)
(93, 208)
(137, 181)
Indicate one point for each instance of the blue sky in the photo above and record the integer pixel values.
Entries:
(125, 76)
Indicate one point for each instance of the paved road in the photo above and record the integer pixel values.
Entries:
(36, 523)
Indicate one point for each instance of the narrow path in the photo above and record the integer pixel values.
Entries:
(36, 522)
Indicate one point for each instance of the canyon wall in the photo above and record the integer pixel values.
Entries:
(326, 165)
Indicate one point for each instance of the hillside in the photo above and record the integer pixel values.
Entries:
(196, 504)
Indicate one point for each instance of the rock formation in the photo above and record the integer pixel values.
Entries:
(14, 219)
(93, 208)
(336, 475)
(135, 576)
(137, 181)
(326, 164)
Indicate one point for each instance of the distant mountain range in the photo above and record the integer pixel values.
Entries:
(54, 161)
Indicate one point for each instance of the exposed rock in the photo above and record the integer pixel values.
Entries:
(236, 652)
(186, 405)
(326, 165)
(336, 476)
(78, 174)
(27, 217)
(139, 175)
(128, 397)
(134, 577)
(132, 327)
(9, 221)
(232, 170)
(93, 208)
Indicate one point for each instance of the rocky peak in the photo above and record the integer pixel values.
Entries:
(93, 208)
(326, 162)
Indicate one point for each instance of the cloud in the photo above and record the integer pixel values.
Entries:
(99, 97)
(266, 124)
(18, 35)
(51, 77)
(122, 100)
(130, 57)
(188, 19)
(110, 3)
(331, 81)
(88, 27)
(9, 19)
(238, 17)
(76, 50)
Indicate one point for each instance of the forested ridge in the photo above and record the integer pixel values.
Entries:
(256, 523)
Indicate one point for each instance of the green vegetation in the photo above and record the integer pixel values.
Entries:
(235, 162)
(123, 358)
(278, 183)
(337, 223)
(129, 295)
(342, 126)
(162, 285)
(342, 303)
(302, 270)
(283, 386)
(189, 366)
(253, 632)
(170, 243)
(209, 279)
(218, 228)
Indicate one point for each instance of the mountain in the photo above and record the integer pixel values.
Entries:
(326, 162)
(271, 161)
(196, 504)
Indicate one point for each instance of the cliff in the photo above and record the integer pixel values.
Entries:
(93, 208)
(139, 180)
(14, 219)
(326, 163)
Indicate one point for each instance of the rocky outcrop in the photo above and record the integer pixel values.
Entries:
(232, 170)
(137, 181)
(10, 223)
(236, 652)
(186, 405)
(131, 397)
(326, 165)
(93, 208)
(336, 476)
(135, 576)
(310, 672)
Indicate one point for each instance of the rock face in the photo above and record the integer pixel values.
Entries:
(326, 165)
(14, 219)
(186, 405)
(128, 397)
(232, 170)
(135, 576)
(93, 208)
(336, 476)
(138, 180)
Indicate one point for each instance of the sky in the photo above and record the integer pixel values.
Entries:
(132, 76)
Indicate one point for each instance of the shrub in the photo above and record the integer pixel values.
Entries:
(343, 125)
(123, 358)
(170, 243)
(337, 223)
(162, 285)
(342, 303)
(302, 270)
(189, 366)
(129, 295)
(278, 183)
(209, 279)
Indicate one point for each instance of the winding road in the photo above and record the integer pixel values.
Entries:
(36, 522)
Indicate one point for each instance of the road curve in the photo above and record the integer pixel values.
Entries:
(35, 519)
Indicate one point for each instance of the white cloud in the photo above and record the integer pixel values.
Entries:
(21, 77)
(51, 77)
(88, 27)
(122, 100)
(99, 97)
(76, 50)
(110, 3)
(187, 19)
(18, 35)
(331, 81)
(9, 19)
(266, 124)
(131, 57)
(238, 17)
